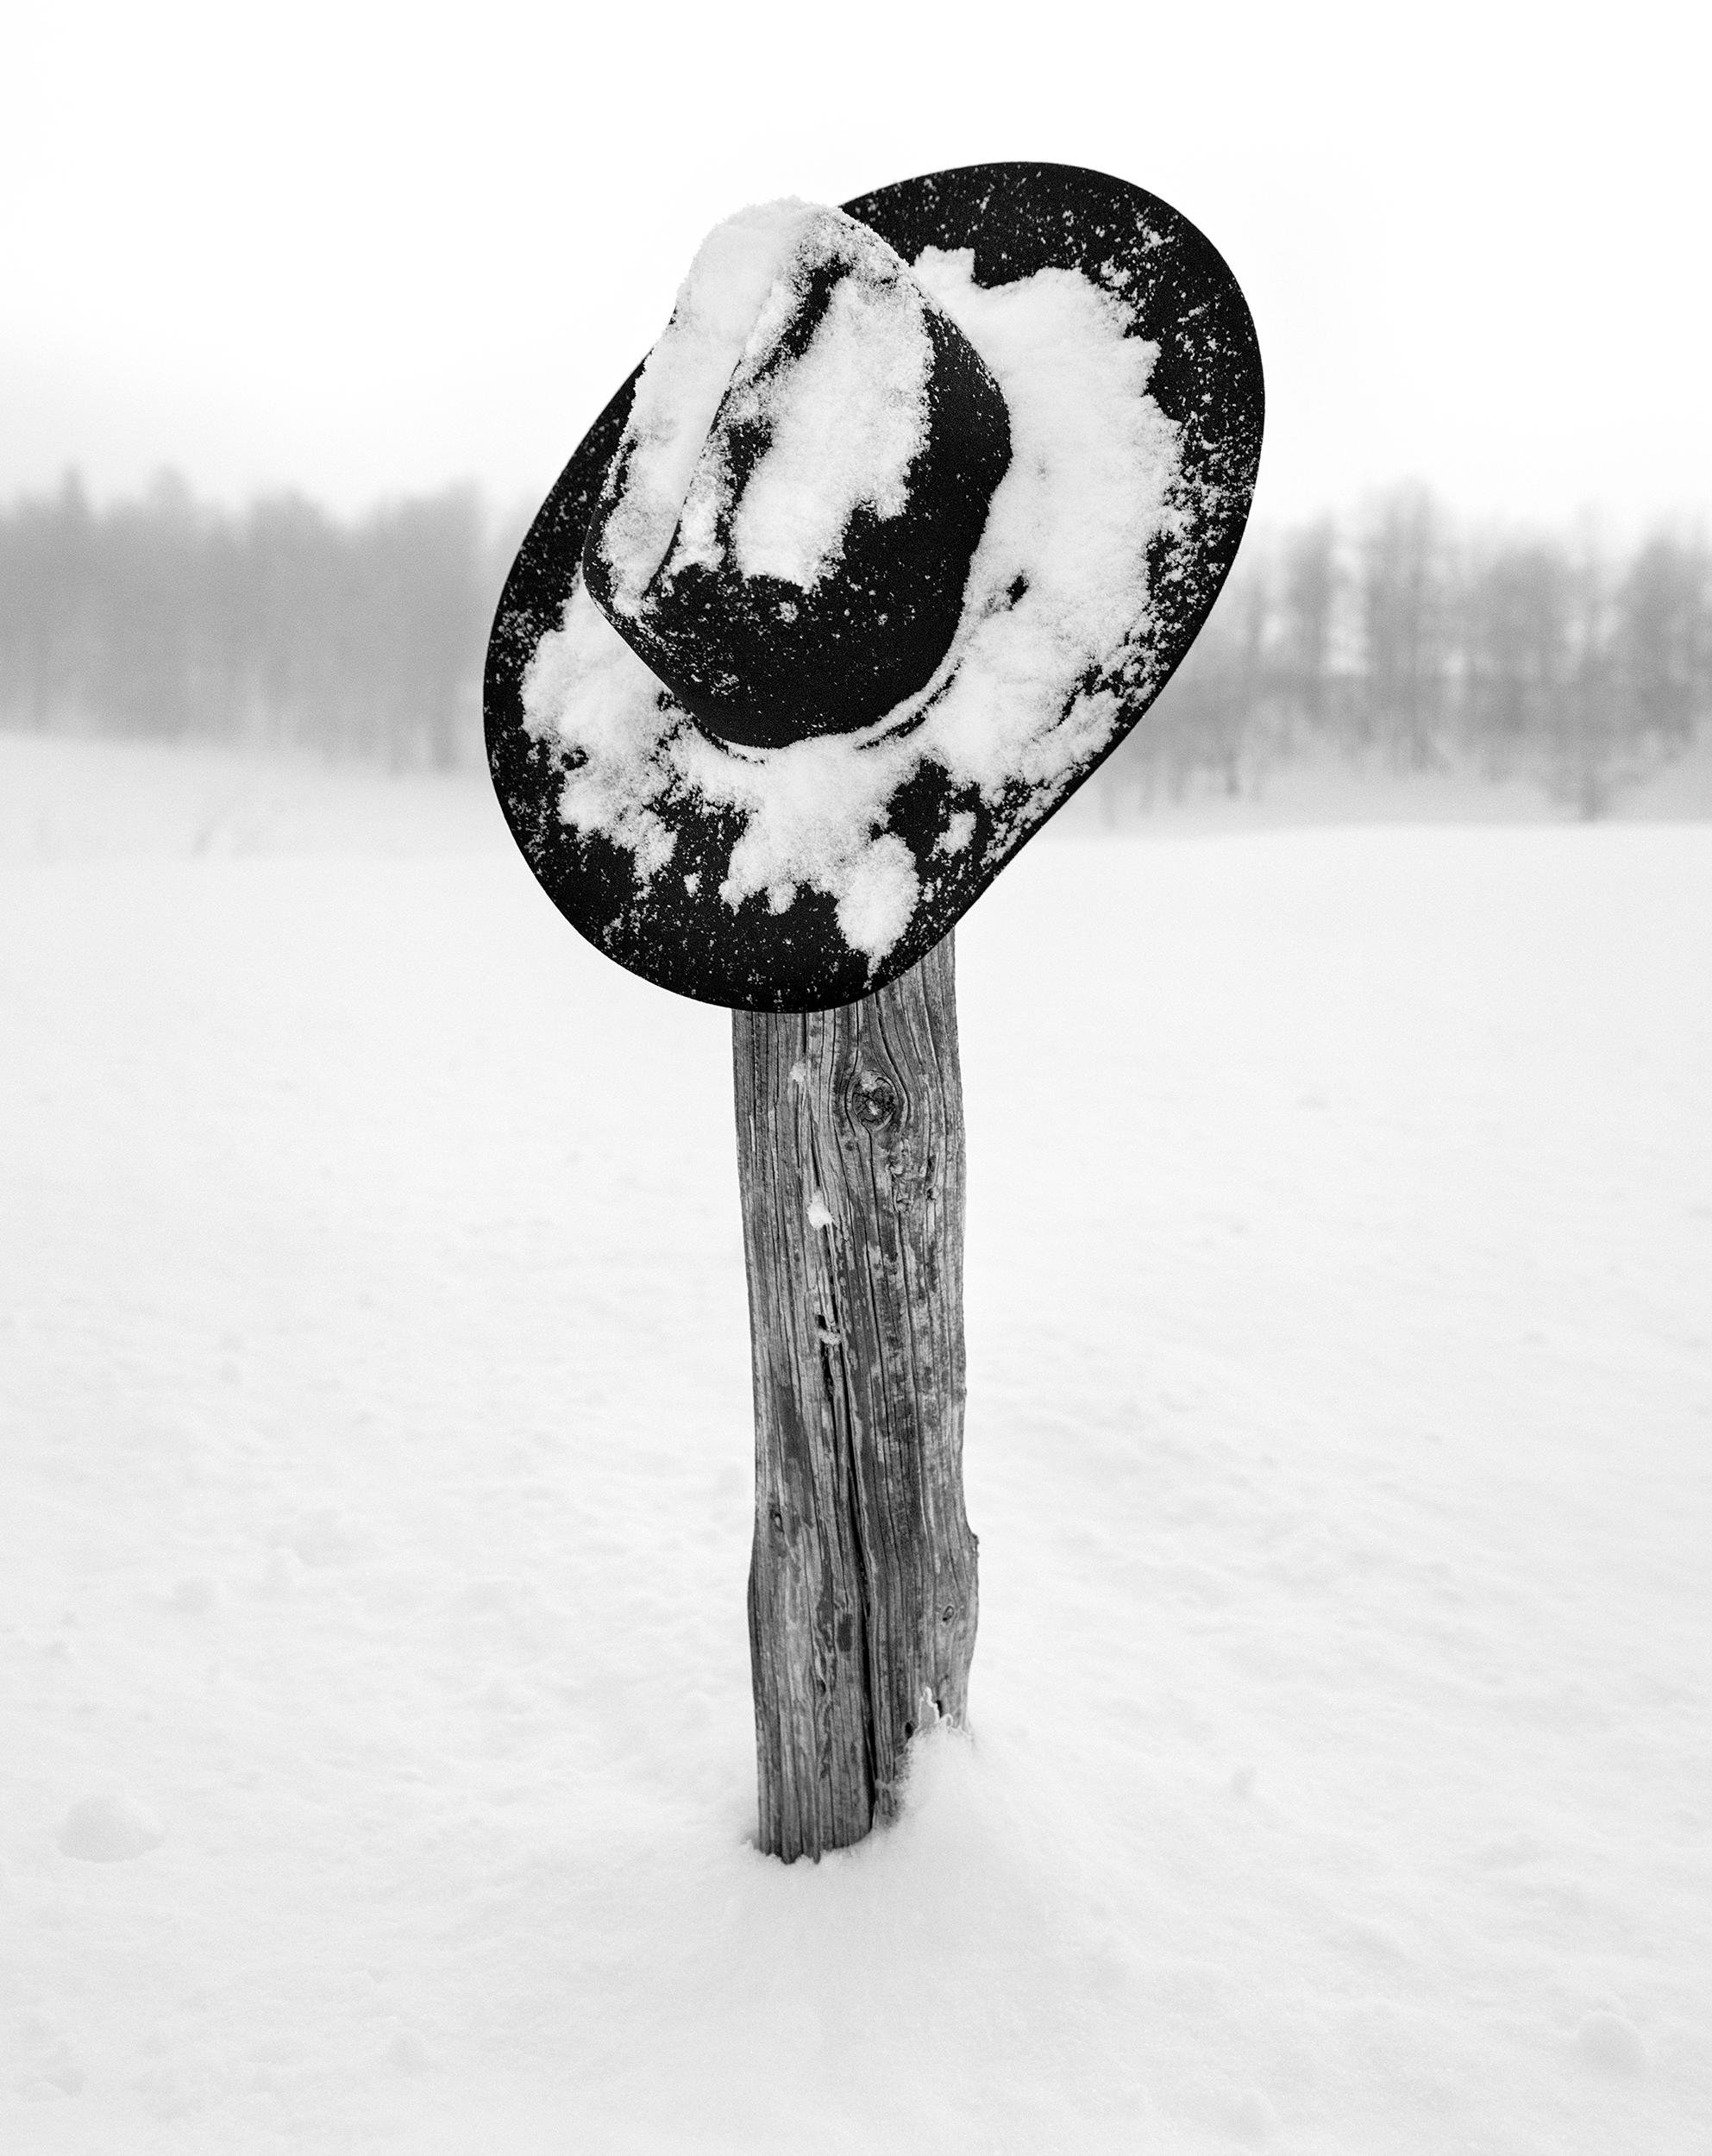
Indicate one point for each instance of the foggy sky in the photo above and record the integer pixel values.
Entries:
(365, 250)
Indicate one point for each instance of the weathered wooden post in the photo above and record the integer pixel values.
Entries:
(861, 1592)
(901, 526)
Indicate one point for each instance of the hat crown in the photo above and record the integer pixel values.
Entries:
(785, 533)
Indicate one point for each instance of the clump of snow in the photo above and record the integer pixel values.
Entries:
(609, 709)
(323, 1535)
(847, 418)
(410, 2052)
(684, 379)
(879, 896)
(110, 1827)
(1057, 588)
(1612, 2043)
(284, 1572)
(851, 422)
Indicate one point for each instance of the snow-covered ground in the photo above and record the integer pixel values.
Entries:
(374, 1459)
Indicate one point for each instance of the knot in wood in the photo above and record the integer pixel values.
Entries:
(873, 1101)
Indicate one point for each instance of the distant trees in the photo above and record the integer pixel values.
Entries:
(1397, 641)
(163, 618)
(1402, 643)
(1307, 586)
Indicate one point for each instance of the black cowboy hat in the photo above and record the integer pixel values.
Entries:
(662, 780)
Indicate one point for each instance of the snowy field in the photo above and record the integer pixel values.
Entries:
(374, 1465)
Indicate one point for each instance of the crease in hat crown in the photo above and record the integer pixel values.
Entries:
(785, 532)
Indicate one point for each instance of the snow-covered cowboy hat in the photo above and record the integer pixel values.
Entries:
(898, 530)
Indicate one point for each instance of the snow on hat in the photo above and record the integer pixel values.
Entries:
(898, 530)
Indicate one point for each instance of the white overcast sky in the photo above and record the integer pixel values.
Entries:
(366, 250)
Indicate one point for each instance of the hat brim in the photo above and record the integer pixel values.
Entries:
(676, 930)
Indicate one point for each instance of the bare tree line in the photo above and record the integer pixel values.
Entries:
(166, 619)
(1398, 639)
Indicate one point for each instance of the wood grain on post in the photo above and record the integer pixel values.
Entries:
(861, 1595)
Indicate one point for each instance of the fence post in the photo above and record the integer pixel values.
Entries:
(861, 1597)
